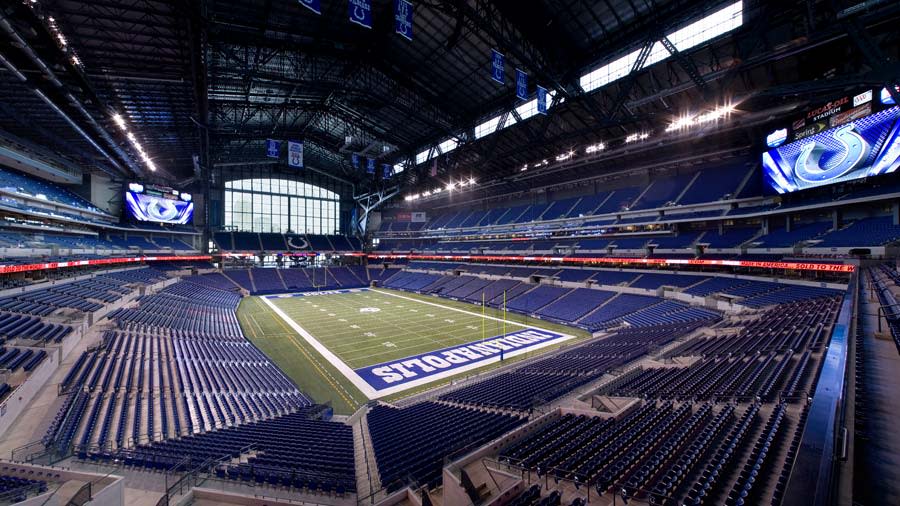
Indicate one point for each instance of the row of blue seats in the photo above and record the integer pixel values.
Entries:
(272, 242)
(710, 185)
(14, 326)
(264, 281)
(548, 378)
(80, 295)
(18, 182)
(215, 378)
(298, 450)
(412, 443)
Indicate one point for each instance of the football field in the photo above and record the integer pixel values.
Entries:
(364, 344)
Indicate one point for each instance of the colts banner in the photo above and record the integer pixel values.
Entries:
(521, 84)
(295, 154)
(273, 148)
(497, 67)
(361, 12)
(542, 100)
(386, 171)
(370, 165)
(354, 159)
(403, 19)
(313, 5)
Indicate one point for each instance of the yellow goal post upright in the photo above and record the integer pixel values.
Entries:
(482, 318)
(504, 322)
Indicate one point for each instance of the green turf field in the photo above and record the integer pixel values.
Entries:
(367, 328)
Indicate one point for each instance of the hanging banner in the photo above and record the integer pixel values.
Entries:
(313, 5)
(434, 168)
(541, 100)
(354, 159)
(361, 12)
(295, 154)
(521, 85)
(403, 19)
(497, 70)
(370, 165)
(273, 148)
(386, 171)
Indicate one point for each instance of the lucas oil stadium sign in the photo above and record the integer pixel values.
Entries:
(446, 362)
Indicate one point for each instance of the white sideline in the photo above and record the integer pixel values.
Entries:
(345, 369)
(368, 390)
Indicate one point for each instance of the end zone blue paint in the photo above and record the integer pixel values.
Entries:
(446, 360)
(311, 294)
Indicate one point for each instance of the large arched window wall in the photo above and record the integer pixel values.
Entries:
(281, 206)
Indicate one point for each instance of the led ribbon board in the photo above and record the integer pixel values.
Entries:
(7, 269)
(795, 266)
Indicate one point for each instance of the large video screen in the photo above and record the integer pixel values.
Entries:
(857, 145)
(159, 204)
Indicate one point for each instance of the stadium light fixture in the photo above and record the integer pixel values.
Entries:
(117, 118)
(120, 122)
(564, 156)
(637, 137)
(471, 181)
(595, 148)
(710, 116)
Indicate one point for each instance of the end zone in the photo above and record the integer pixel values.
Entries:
(396, 376)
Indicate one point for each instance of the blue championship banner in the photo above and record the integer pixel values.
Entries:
(497, 66)
(313, 5)
(370, 165)
(273, 148)
(361, 12)
(403, 19)
(447, 360)
(295, 154)
(542, 100)
(521, 85)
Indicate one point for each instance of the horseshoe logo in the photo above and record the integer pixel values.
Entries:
(855, 150)
(303, 243)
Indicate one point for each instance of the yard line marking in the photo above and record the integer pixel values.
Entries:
(339, 364)
(459, 310)
(410, 337)
(318, 367)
